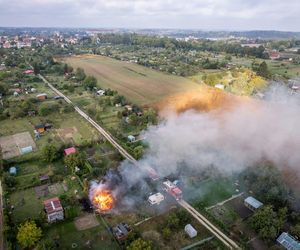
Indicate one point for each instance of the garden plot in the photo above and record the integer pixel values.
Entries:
(12, 145)
(66, 134)
(86, 222)
(57, 188)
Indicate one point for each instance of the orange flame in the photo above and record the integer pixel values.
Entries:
(103, 200)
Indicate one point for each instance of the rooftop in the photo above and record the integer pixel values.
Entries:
(288, 242)
(156, 198)
(69, 151)
(52, 205)
(121, 230)
(253, 202)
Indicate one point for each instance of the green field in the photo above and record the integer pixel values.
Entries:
(139, 84)
(209, 192)
(66, 235)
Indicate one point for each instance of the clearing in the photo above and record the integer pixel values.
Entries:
(139, 84)
(86, 222)
(12, 145)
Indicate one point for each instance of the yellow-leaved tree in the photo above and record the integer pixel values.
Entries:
(28, 234)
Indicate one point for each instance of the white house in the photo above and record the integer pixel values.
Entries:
(220, 86)
(156, 199)
(100, 92)
(131, 138)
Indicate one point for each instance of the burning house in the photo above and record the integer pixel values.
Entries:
(103, 194)
(103, 200)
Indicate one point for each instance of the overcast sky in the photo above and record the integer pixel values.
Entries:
(194, 14)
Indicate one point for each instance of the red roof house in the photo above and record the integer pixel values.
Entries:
(274, 55)
(54, 209)
(69, 151)
(28, 72)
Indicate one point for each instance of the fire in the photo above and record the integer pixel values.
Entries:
(103, 200)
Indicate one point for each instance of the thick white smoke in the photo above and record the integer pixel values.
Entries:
(226, 139)
(230, 140)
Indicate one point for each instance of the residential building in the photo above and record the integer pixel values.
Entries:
(131, 138)
(288, 242)
(54, 210)
(156, 199)
(121, 231)
(69, 151)
(252, 203)
(42, 96)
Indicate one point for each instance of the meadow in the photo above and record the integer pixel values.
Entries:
(139, 84)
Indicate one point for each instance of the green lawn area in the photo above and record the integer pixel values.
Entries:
(152, 230)
(27, 205)
(65, 233)
(210, 192)
(83, 131)
(283, 68)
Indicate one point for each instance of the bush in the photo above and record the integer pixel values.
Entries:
(46, 109)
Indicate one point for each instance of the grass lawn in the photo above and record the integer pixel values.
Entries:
(152, 230)
(139, 84)
(26, 205)
(83, 131)
(210, 192)
(65, 233)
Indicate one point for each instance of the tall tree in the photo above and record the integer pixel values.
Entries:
(75, 160)
(90, 82)
(79, 74)
(263, 70)
(139, 244)
(267, 222)
(49, 153)
(28, 234)
(1, 161)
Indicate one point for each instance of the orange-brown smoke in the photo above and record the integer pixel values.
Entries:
(203, 99)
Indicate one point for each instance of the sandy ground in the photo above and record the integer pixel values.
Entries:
(86, 222)
(11, 145)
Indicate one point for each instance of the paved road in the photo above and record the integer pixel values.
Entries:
(209, 226)
(200, 218)
(122, 151)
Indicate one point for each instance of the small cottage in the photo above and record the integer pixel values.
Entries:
(54, 210)
(42, 96)
(131, 138)
(12, 170)
(252, 203)
(69, 151)
(190, 230)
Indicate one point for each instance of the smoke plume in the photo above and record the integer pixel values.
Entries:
(229, 139)
(229, 135)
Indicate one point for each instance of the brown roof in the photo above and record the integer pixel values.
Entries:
(53, 205)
